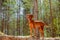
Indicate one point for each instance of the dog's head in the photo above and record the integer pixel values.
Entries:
(29, 16)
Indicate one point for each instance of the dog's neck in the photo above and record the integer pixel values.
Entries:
(30, 20)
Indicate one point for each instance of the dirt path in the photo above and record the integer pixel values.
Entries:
(23, 38)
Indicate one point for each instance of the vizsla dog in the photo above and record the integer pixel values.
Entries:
(33, 24)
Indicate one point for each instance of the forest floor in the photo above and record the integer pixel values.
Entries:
(6, 37)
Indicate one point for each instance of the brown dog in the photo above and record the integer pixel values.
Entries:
(35, 24)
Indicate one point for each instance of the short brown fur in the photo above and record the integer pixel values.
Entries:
(33, 24)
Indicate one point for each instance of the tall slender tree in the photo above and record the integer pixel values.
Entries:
(51, 19)
(58, 17)
(35, 12)
(3, 23)
(18, 19)
(35, 9)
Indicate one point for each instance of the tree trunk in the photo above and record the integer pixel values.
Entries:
(8, 23)
(40, 10)
(18, 20)
(51, 19)
(18, 24)
(35, 8)
(3, 23)
(35, 12)
(59, 4)
(59, 17)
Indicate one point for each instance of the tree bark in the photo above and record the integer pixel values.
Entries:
(3, 23)
(35, 8)
(18, 24)
(35, 12)
(18, 20)
(59, 4)
(51, 19)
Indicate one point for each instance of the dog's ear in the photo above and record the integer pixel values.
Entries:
(29, 15)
